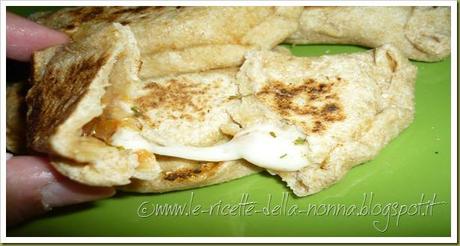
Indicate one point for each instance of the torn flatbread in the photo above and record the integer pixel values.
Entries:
(68, 95)
(89, 89)
(349, 106)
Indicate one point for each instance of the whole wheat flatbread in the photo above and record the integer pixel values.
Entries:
(349, 106)
(68, 95)
(190, 110)
(82, 94)
(420, 33)
(184, 39)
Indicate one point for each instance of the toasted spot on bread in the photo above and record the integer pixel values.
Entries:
(79, 76)
(314, 98)
(85, 14)
(205, 170)
(182, 100)
(71, 20)
(135, 9)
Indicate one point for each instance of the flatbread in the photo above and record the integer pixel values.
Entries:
(349, 106)
(190, 110)
(68, 95)
(176, 40)
(421, 33)
(90, 87)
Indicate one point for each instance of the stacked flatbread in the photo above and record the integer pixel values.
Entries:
(198, 76)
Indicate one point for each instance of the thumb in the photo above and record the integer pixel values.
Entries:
(33, 187)
(23, 37)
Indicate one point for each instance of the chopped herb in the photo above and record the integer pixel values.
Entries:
(235, 97)
(136, 111)
(273, 134)
(281, 157)
(300, 141)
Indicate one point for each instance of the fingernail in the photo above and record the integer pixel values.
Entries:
(66, 192)
(32, 187)
(8, 156)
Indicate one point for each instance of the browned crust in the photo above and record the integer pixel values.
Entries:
(191, 175)
(52, 100)
(176, 95)
(69, 20)
(204, 171)
(321, 101)
(184, 100)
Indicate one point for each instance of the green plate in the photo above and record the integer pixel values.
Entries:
(404, 191)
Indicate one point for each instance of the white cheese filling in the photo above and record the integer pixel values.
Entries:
(264, 145)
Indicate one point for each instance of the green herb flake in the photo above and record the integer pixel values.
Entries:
(235, 97)
(300, 141)
(273, 134)
(136, 111)
(281, 157)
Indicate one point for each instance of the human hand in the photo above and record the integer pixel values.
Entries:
(33, 187)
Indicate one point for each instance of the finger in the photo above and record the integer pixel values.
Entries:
(23, 37)
(33, 187)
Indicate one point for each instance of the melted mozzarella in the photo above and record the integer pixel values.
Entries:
(264, 145)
